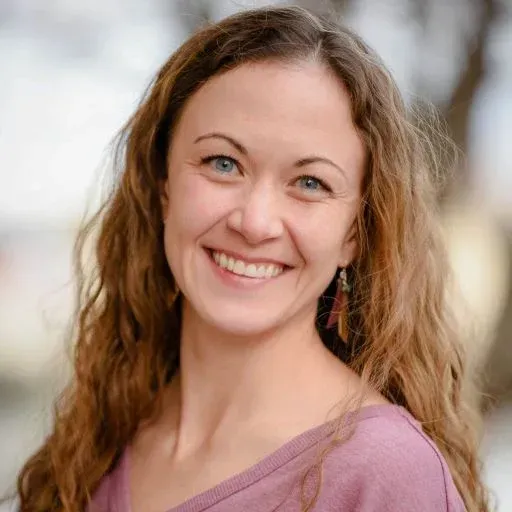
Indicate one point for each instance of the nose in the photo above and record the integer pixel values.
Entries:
(257, 218)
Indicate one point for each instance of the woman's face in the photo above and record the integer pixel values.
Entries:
(264, 183)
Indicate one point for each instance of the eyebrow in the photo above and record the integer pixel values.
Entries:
(311, 159)
(227, 138)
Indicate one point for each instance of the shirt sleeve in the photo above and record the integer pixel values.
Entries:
(408, 478)
(392, 466)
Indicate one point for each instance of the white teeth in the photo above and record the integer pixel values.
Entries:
(261, 271)
(250, 270)
(241, 268)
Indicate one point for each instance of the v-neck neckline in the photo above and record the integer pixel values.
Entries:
(264, 467)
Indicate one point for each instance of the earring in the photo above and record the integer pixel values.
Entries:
(173, 296)
(339, 311)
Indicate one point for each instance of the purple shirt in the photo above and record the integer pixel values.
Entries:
(388, 465)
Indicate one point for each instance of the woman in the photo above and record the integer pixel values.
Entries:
(270, 167)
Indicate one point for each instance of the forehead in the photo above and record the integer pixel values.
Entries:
(286, 105)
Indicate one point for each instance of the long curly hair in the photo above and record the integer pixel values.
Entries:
(127, 329)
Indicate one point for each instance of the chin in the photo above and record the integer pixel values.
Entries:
(237, 322)
(245, 328)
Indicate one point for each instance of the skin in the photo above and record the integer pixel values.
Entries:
(254, 372)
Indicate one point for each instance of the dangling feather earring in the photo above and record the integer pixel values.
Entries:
(339, 311)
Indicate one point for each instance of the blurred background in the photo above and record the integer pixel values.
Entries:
(71, 72)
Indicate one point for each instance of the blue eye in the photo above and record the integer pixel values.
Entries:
(223, 164)
(310, 183)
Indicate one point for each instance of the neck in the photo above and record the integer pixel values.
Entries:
(281, 379)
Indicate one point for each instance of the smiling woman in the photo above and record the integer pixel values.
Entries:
(271, 187)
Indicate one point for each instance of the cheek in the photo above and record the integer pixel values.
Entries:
(319, 236)
(195, 205)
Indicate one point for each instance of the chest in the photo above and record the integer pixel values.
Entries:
(157, 483)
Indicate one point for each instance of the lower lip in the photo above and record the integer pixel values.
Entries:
(236, 280)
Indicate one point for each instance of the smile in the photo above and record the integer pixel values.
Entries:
(240, 267)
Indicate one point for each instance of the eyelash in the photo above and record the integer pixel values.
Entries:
(320, 182)
(208, 159)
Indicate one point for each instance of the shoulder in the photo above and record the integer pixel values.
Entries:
(111, 493)
(390, 464)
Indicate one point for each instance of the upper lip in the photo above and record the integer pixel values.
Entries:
(248, 259)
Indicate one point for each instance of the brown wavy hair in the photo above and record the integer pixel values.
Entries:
(127, 330)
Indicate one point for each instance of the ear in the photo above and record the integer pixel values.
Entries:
(164, 198)
(350, 246)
